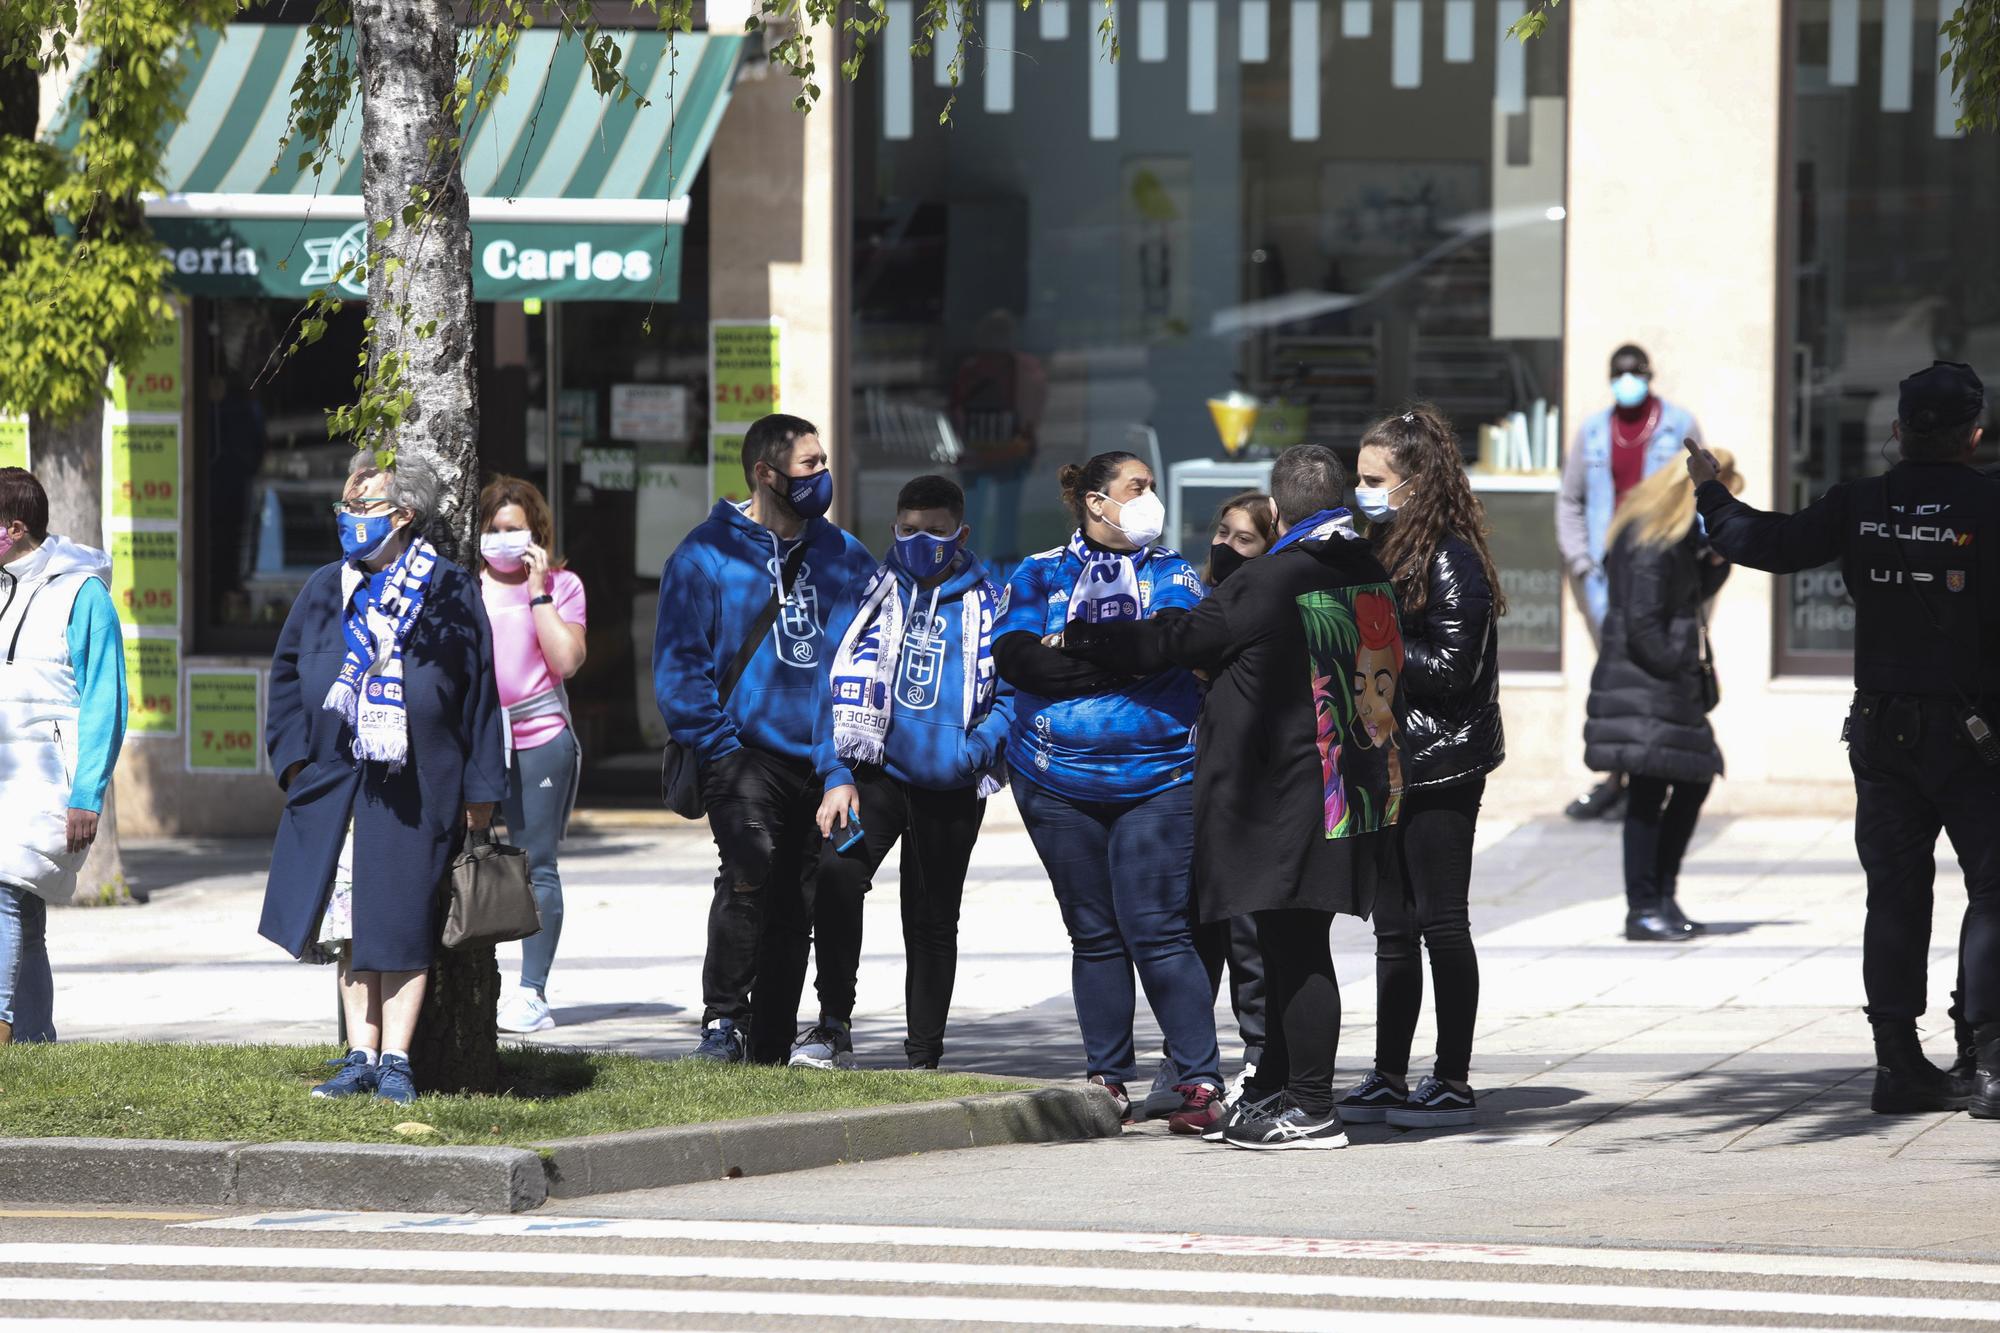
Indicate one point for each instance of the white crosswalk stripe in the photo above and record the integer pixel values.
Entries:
(890, 1277)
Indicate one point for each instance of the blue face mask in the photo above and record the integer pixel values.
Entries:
(361, 537)
(810, 496)
(924, 554)
(1630, 390)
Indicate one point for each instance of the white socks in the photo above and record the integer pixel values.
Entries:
(362, 1050)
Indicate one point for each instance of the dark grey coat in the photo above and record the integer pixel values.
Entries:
(407, 825)
(1646, 714)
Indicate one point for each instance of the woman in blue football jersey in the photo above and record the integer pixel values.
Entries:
(1102, 765)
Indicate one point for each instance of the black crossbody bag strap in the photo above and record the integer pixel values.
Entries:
(788, 575)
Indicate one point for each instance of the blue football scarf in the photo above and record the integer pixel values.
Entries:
(1318, 527)
(369, 690)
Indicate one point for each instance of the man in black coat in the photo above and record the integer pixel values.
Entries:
(1296, 768)
(1920, 549)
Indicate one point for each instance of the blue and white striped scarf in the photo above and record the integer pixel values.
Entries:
(369, 690)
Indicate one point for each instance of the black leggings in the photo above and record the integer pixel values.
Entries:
(1426, 899)
(1302, 1005)
(1659, 822)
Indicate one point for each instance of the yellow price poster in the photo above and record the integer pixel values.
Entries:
(13, 442)
(725, 467)
(152, 686)
(745, 366)
(153, 384)
(145, 472)
(222, 729)
(145, 577)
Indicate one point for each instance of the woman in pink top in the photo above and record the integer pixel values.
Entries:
(537, 610)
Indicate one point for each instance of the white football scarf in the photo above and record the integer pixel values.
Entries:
(1107, 588)
(871, 653)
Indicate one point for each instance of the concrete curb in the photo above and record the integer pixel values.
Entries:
(411, 1178)
(767, 1145)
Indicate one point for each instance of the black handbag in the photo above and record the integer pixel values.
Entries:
(680, 769)
(488, 899)
(1711, 688)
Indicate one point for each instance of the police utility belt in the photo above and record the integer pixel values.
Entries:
(1898, 719)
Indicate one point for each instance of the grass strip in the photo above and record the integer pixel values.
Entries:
(159, 1090)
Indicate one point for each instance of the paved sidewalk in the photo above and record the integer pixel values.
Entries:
(1709, 1094)
(1566, 1001)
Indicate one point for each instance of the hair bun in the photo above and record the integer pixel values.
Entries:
(1069, 477)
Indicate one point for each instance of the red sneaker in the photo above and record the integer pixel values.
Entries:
(1117, 1091)
(1201, 1109)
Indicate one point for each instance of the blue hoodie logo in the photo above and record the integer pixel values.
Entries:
(798, 627)
(922, 666)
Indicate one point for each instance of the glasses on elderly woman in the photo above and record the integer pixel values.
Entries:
(364, 506)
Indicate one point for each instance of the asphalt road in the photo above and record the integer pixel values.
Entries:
(183, 1272)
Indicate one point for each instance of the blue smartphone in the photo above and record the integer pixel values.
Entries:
(854, 833)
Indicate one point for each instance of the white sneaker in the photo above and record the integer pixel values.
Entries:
(1233, 1092)
(525, 1011)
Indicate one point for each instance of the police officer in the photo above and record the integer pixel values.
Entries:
(1920, 549)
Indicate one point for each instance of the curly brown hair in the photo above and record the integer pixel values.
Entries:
(1440, 503)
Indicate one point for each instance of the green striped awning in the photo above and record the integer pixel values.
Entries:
(572, 193)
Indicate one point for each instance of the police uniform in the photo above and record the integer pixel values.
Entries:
(1920, 549)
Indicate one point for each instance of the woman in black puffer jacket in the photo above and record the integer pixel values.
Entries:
(1430, 532)
(1648, 714)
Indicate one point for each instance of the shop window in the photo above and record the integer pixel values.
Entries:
(1890, 225)
(1331, 209)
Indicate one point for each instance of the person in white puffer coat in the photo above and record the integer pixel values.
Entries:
(62, 720)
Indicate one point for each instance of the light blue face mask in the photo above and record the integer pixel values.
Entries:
(1630, 390)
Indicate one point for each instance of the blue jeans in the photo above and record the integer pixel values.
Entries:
(1121, 875)
(27, 990)
(538, 791)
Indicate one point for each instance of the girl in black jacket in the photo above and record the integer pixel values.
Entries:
(1648, 715)
(1430, 531)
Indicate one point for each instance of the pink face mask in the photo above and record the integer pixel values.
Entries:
(6, 544)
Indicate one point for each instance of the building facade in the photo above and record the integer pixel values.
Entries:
(1317, 208)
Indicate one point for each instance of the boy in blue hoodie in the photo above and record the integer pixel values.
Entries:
(766, 757)
(920, 717)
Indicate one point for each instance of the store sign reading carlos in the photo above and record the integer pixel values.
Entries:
(342, 261)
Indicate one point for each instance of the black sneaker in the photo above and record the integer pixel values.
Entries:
(1370, 1101)
(1283, 1124)
(1435, 1104)
(827, 1044)
(1243, 1108)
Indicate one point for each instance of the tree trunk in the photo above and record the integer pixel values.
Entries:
(68, 460)
(407, 56)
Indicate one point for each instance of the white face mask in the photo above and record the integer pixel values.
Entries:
(1374, 500)
(1142, 519)
(503, 550)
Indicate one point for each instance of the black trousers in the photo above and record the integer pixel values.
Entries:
(761, 810)
(1233, 943)
(1659, 823)
(937, 830)
(1304, 1007)
(1426, 900)
(1915, 774)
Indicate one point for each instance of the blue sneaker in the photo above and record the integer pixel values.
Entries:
(721, 1042)
(356, 1078)
(392, 1081)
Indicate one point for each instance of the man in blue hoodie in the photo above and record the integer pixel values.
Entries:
(766, 754)
(920, 716)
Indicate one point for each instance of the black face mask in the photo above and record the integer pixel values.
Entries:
(1224, 560)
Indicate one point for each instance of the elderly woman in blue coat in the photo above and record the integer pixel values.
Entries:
(384, 730)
